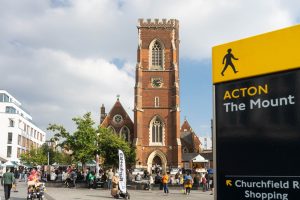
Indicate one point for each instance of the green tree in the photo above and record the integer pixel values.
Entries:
(88, 141)
(109, 143)
(34, 157)
(81, 143)
(39, 156)
(62, 158)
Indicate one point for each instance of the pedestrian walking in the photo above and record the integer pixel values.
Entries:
(91, 180)
(7, 181)
(1, 173)
(188, 183)
(211, 185)
(203, 182)
(151, 182)
(110, 175)
(165, 180)
(16, 176)
(25, 174)
(115, 186)
(73, 176)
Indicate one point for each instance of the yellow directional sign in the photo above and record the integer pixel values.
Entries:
(262, 54)
(229, 183)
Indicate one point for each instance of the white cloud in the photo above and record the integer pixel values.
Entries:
(57, 55)
(104, 28)
(55, 86)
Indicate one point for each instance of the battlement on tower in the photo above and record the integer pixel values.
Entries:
(157, 23)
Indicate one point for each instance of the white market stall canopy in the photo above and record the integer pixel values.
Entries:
(199, 158)
(10, 164)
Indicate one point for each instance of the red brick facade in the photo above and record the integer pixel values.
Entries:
(157, 103)
(156, 100)
(189, 140)
(118, 120)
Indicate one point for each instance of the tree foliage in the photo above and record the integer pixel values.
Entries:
(88, 141)
(109, 143)
(81, 143)
(34, 157)
(39, 156)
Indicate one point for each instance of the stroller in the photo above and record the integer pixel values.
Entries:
(35, 191)
(118, 194)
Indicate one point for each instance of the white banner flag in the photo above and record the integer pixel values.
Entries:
(122, 172)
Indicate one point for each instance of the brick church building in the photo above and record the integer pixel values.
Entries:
(155, 132)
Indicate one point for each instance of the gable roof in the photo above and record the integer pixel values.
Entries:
(186, 157)
(188, 138)
(117, 109)
(186, 127)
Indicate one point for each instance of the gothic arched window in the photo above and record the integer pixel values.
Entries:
(156, 56)
(156, 131)
(125, 133)
(185, 150)
(111, 129)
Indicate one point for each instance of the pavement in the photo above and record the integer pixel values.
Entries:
(86, 194)
(21, 194)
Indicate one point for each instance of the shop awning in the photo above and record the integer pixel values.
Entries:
(198, 159)
(11, 164)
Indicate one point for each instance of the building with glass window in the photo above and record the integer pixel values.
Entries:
(17, 130)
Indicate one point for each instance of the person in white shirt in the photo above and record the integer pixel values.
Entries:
(138, 177)
(151, 181)
(110, 175)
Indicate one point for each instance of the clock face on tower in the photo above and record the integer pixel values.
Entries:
(156, 82)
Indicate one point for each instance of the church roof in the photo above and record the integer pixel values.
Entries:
(188, 138)
(207, 155)
(117, 109)
(186, 126)
(186, 157)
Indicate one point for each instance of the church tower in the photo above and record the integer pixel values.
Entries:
(156, 112)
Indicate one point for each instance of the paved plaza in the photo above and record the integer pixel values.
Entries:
(21, 194)
(86, 194)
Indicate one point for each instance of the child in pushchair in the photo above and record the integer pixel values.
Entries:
(35, 188)
(36, 191)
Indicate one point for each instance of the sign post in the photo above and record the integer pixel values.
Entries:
(257, 117)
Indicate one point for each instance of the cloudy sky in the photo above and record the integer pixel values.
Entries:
(63, 58)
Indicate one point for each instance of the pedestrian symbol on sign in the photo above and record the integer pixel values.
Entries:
(228, 61)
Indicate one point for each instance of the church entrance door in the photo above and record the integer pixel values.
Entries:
(157, 161)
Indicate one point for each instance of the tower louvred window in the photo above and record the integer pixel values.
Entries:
(157, 55)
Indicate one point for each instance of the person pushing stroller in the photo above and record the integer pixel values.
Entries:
(35, 188)
(115, 191)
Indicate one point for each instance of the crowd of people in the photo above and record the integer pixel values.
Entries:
(186, 181)
(71, 176)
